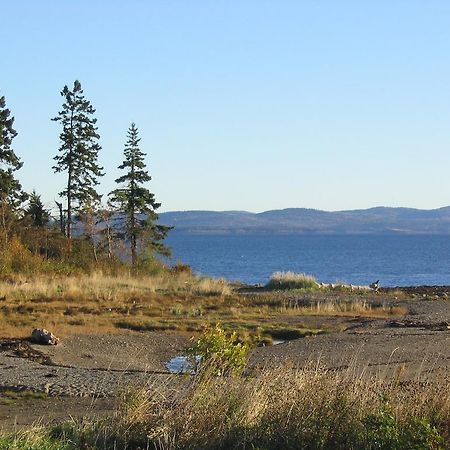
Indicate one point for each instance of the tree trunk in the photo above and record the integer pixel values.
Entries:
(109, 238)
(133, 250)
(94, 249)
(61, 217)
(69, 187)
(4, 224)
(69, 207)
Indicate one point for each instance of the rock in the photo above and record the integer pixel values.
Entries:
(44, 337)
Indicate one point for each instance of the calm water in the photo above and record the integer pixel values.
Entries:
(395, 260)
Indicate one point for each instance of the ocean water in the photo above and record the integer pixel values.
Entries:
(394, 260)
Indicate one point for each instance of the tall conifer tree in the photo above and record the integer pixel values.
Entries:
(10, 188)
(78, 153)
(137, 203)
(11, 194)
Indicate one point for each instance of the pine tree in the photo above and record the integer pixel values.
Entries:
(10, 188)
(137, 203)
(36, 211)
(78, 153)
(11, 194)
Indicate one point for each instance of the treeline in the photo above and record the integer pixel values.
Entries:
(88, 231)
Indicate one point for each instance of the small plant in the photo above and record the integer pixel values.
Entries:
(37, 438)
(382, 430)
(292, 280)
(220, 351)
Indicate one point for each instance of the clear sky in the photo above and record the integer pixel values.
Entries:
(242, 104)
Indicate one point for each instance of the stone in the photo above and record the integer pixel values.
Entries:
(44, 337)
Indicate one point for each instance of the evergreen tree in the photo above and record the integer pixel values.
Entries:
(10, 188)
(11, 194)
(137, 203)
(36, 211)
(78, 153)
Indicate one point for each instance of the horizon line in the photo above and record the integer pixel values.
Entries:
(301, 208)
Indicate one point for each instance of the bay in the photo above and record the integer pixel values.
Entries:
(396, 260)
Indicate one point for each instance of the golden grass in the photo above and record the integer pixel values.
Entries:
(107, 287)
(292, 280)
(100, 303)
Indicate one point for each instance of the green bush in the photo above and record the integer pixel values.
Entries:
(383, 431)
(220, 351)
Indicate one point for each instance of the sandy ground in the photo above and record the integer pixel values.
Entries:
(81, 376)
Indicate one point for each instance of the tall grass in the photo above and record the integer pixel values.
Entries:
(283, 408)
(103, 286)
(291, 280)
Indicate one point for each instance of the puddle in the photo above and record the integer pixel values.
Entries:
(181, 364)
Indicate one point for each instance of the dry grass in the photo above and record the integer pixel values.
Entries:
(283, 408)
(106, 287)
(330, 303)
(100, 303)
(291, 280)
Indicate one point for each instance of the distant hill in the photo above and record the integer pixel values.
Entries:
(380, 220)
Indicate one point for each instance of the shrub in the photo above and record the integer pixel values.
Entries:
(220, 351)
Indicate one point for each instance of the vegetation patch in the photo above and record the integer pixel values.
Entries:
(287, 333)
(9, 397)
(37, 438)
(220, 351)
(291, 280)
(310, 408)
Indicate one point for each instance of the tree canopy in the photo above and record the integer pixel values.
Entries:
(78, 152)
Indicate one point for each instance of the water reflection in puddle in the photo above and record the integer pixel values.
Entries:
(182, 364)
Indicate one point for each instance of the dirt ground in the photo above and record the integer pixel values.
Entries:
(81, 376)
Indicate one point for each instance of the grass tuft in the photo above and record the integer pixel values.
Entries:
(291, 280)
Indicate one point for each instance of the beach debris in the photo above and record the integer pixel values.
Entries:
(375, 286)
(435, 326)
(342, 286)
(43, 337)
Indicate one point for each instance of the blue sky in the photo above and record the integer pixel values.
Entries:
(243, 104)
